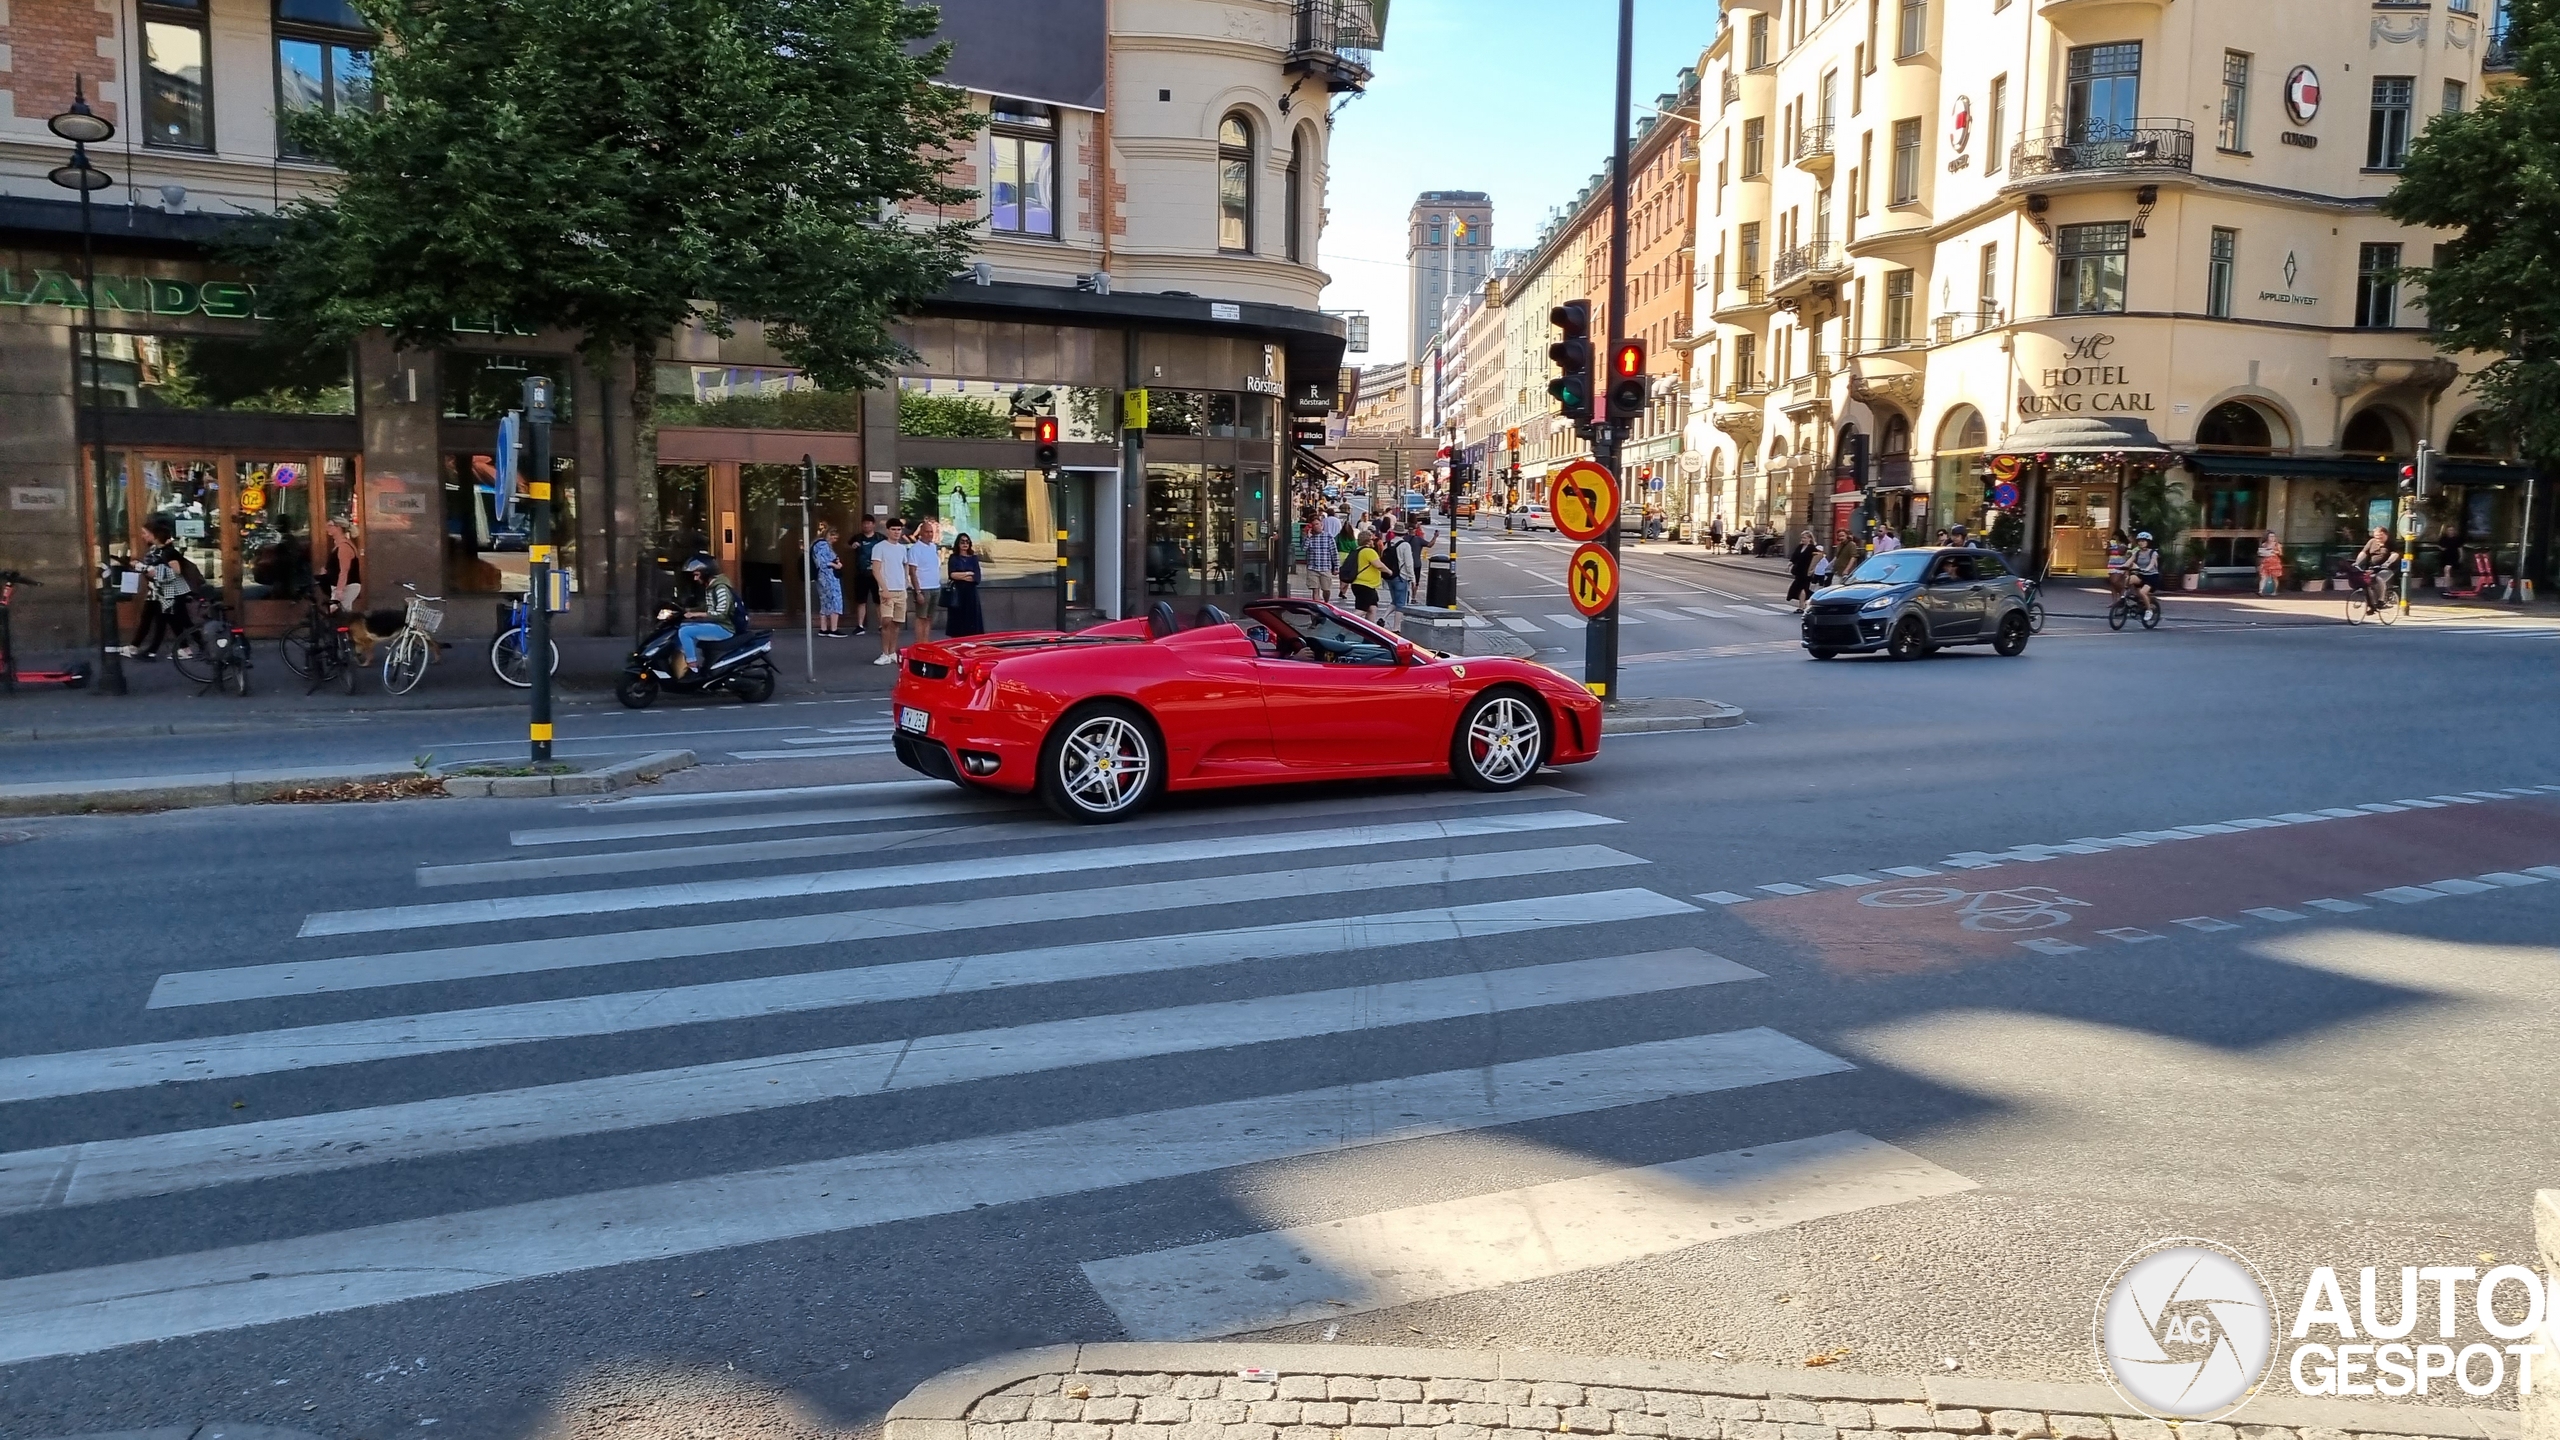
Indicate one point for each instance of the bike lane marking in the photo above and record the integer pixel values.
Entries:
(2059, 903)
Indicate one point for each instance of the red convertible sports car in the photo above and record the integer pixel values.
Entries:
(1101, 721)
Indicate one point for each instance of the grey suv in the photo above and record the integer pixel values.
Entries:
(1909, 602)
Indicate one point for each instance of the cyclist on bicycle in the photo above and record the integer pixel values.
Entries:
(2142, 572)
(721, 613)
(2373, 565)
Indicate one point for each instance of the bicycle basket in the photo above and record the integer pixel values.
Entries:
(424, 618)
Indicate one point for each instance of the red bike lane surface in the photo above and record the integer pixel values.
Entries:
(2215, 881)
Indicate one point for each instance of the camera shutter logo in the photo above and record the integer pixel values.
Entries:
(2185, 1329)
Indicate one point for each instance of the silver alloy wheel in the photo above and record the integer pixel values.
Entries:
(1104, 764)
(1504, 741)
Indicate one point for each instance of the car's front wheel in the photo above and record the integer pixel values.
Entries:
(1910, 639)
(1822, 654)
(1501, 741)
(2011, 638)
(1101, 763)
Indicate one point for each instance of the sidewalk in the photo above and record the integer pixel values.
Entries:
(161, 702)
(1253, 1391)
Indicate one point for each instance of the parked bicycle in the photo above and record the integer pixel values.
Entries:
(2035, 601)
(410, 649)
(2126, 608)
(320, 647)
(2360, 601)
(215, 654)
(507, 652)
(11, 677)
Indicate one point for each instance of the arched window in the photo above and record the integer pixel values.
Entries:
(2235, 425)
(2478, 434)
(1235, 184)
(2374, 431)
(1294, 203)
(1897, 437)
(1963, 430)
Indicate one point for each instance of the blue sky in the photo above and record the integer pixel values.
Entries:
(1510, 97)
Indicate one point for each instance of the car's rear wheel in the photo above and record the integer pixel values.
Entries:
(1101, 763)
(1501, 741)
(2011, 638)
(1910, 639)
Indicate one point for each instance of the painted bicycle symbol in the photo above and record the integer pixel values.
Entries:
(2028, 907)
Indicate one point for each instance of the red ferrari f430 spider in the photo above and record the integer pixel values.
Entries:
(1100, 722)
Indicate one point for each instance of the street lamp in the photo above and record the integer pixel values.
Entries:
(84, 127)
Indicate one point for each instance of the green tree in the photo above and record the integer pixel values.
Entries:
(618, 167)
(2492, 174)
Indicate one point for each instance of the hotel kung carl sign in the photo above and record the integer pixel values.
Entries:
(2086, 382)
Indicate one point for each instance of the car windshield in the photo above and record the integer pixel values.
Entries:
(1313, 632)
(1894, 567)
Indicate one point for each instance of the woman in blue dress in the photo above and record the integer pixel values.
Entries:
(960, 592)
(830, 579)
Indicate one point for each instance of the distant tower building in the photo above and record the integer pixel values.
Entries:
(1449, 245)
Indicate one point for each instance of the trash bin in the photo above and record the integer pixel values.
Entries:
(1440, 585)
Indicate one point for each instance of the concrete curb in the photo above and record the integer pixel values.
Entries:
(210, 1430)
(1646, 717)
(620, 775)
(939, 1409)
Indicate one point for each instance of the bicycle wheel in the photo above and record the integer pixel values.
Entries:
(506, 656)
(2391, 602)
(2151, 616)
(297, 646)
(195, 669)
(2115, 614)
(2035, 618)
(234, 677)
(406, 662)
(2356, 608)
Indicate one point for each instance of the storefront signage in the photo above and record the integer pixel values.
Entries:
(38, 497)
(2298, 139)
(2292, 268)
(2085, 384)
(1268, 382)
(134, 294)
(1960, 124)
(2302, 94)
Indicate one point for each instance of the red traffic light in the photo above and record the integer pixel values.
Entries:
(1046, 431)
(1629, 360)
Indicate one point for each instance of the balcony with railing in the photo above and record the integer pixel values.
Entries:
(1809, 391)
(2500, 53)
(1960, 324)
(1732, 89)
(1802, 267)
(1813, 148)
(1332, 41)
(2145, 146)
(1747, 297)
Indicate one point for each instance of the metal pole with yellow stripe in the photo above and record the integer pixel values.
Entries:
(538, 581)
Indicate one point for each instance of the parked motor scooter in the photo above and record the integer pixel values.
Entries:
(741, 665)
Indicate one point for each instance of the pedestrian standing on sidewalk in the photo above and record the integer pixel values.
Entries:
(891, 575)
(1346, 547)
(966, 616)
(1367, 574)
(924, 563)
(1800, 570)
(866, 585)
(829, 568)
(1317, 553)
(1392, 554)
(1887, 538)
(2270, 564)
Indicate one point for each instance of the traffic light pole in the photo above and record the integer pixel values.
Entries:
(537, 620)
(1600, 637)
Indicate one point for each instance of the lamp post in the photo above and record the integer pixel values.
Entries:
(84, 127)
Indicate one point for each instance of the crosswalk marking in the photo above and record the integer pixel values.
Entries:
(1518, 624)
(739, 937)
(496, 909)
(1658, 615)
(127, 1067)
(78, 1312)
(950, 801)
(869, 789)
(1708, 611)
(132, 1166)
(1566, 622)
(1454, 1247)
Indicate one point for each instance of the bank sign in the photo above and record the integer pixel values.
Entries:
(134, 294)
(2085, 384)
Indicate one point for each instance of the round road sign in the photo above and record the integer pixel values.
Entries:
(1583, 499)
(1591, 578)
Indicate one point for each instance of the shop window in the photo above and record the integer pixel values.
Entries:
(485, 543)
(177, 107)
(1005, 513)
(1190, 538)
(938, 408)
(2479, 434)
(272, 504)
(324, 64)
(2377, 287)
(684, 514)
(2103, 91)
(2221, 263)
(233, 373)
(1022, 144)
(482, 386)
(2386, 142)
(1235, 186)
(2089, 265)
(751, 397)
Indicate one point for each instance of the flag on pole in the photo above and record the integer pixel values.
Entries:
(1461, 231)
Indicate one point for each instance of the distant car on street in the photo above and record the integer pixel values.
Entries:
(1534, 517)
(1908, 603)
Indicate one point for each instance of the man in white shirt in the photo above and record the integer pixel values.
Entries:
(924, 563)
(891, 570)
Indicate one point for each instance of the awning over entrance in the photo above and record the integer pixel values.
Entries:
(2081, 435)
(2353, 468)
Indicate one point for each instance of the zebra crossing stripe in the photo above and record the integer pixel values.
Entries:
(79, 1312)
(1659, 615)
(1456, 1247)
(1518, 624)
(129, 1167)
(953, 804)
(843, 927)
(1708, 611)
(308, 1047)
(497, 909)
(868, 789)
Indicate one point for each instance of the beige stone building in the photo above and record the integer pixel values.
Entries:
(2039, 250)
(1152, 184)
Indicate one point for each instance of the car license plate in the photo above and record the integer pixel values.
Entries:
(913, 720)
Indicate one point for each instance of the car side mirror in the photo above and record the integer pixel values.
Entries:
(1404, 652)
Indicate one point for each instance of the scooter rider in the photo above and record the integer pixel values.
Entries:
(720, 612)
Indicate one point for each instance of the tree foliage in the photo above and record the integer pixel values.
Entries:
(615, 166)
(2492, 173)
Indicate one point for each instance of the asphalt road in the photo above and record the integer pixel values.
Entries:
(484, 1114)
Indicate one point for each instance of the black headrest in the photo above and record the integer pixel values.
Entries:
(1160, 620)
(1210, 615)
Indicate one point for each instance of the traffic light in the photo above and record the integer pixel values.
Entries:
(1572, 354)
(1307, 421)
(2422, 476)
(1044, 431)
(1629, 386)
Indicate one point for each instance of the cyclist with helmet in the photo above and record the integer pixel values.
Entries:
(2142, 572)
(721, 612)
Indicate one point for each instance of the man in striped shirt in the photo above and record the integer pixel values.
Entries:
(1316, 552)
